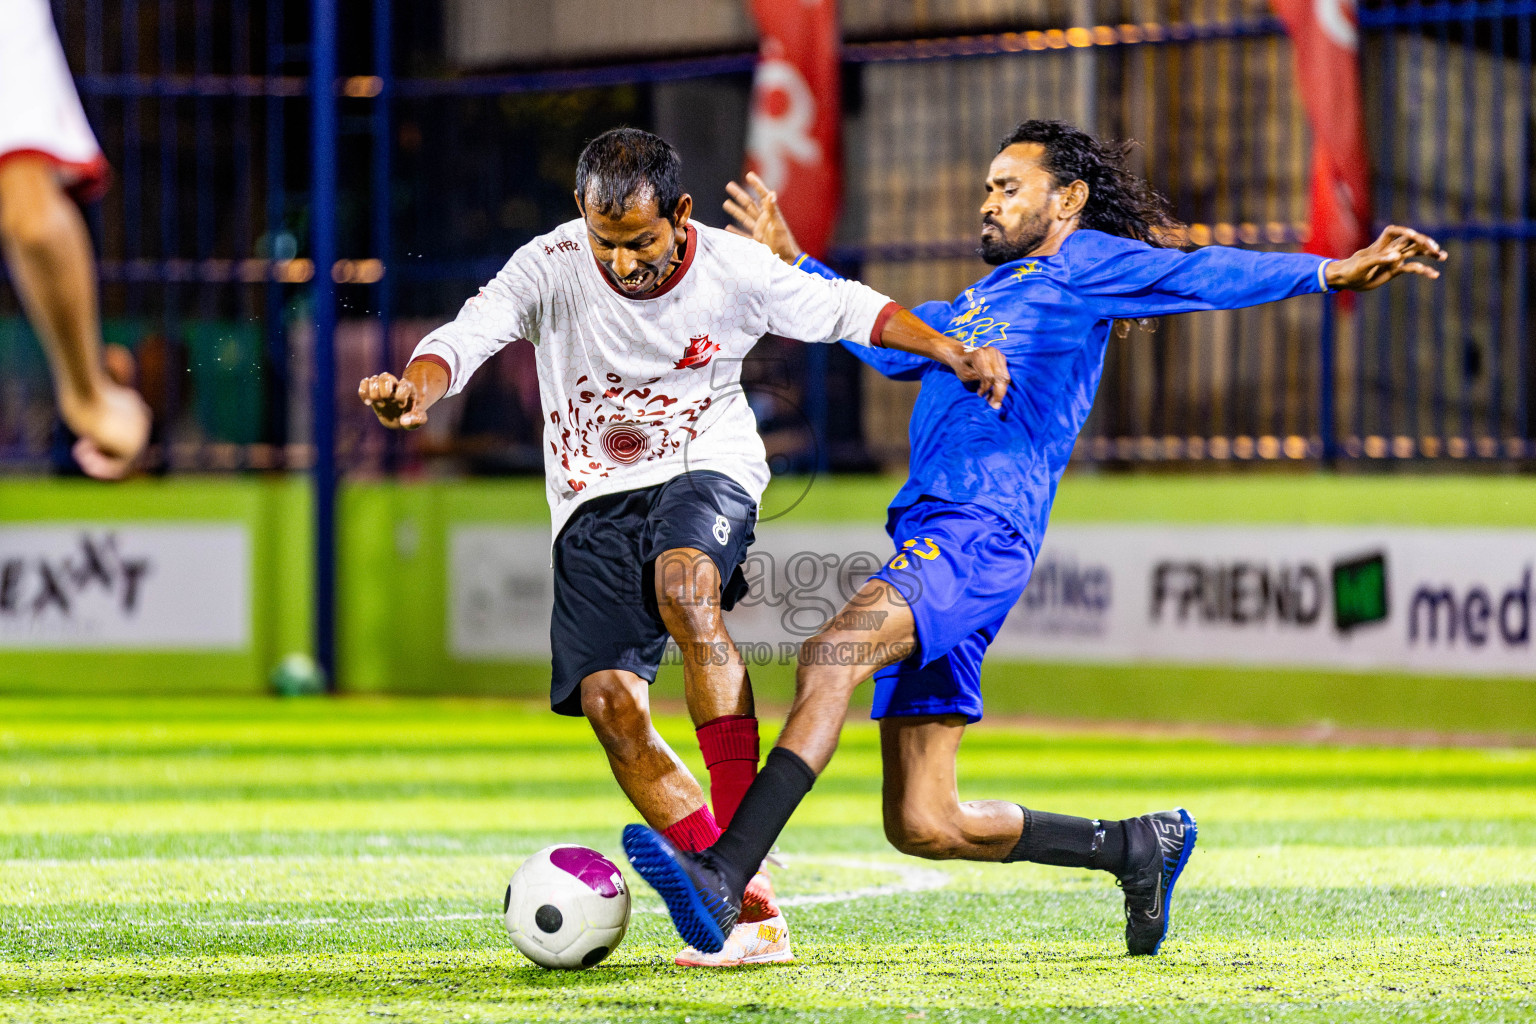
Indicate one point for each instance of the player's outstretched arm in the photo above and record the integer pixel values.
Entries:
(401, 403)
(1397, 251)
(986, 367)
(758, 216)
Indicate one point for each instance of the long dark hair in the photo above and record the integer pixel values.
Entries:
(1119, 203)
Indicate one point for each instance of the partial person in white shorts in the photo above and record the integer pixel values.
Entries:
(48, 154)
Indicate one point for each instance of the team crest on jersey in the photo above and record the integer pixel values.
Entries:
(699, 352)
(972, 327)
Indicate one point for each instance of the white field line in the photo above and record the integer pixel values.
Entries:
(911, 879)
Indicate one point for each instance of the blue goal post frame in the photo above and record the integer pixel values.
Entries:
(323, 353)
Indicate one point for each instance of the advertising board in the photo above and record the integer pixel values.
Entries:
(132, 586)
(1437, 601)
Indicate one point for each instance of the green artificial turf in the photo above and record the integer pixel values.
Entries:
(344, 860)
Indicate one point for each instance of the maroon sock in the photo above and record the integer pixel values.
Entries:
(730, 749)
(696, 832)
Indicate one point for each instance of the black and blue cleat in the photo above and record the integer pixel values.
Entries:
(1160, 845)
(703, 908)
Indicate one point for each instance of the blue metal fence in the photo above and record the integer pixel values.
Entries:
(211, 239)
(267, 240)
(1448, 373)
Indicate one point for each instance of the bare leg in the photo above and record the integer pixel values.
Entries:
(923, 813)
(617, 703)
(874, 629)
(715, 680)
(49, 254)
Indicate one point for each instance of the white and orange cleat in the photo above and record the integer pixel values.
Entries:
(758, 942)
(761, 935)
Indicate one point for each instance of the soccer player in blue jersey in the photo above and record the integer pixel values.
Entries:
(1077, 243)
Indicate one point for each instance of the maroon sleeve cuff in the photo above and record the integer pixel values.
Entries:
(890, 310)
(439, 360)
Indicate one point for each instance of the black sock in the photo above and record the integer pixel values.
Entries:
(764, 811)
(1071, 842)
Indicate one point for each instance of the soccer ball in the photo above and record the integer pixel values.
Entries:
(297, 675)
(567, 907)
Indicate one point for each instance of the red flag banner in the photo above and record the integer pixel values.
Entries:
(793, 141)
(1326, 37)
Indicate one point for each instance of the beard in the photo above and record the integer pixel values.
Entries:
(1000, 249)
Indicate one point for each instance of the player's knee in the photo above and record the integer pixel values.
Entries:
(935, 836)
(688, 613)
(619, 715)
(688, 597)
(28, 225)
(32, 204)
(824, 667)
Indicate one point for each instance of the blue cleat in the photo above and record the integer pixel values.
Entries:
(1160, 845)
(703, 908)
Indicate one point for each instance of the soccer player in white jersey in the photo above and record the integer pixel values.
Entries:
(47, 153)
(640, 321)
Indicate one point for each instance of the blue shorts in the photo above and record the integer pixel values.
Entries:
(961, 569)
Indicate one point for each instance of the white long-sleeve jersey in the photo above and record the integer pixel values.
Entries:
(637, 390)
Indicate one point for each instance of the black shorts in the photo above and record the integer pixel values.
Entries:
(605, 614)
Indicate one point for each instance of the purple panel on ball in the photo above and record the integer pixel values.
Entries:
(589, 866)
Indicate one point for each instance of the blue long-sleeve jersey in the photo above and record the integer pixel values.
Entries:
(1051, 316)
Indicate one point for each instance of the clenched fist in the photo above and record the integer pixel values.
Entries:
(394, 401)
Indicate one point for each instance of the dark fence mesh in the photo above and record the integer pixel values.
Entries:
(203, 110)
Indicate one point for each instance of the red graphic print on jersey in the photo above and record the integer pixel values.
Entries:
(698, 353)
(635, 432)
(624, 443)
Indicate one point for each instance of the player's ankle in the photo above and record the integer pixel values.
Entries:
(80, 399)
(1067, 841)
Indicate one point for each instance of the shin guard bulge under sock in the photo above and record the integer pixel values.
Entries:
(730, 748)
